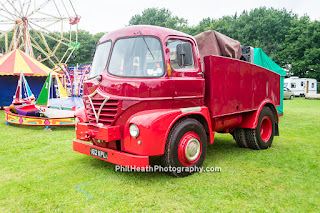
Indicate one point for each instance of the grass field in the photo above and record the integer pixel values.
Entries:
(39, 172)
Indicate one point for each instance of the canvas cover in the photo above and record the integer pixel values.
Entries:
(214, 43)
(261, 59)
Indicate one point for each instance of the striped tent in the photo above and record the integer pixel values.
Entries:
(13, 62)
(11, 65)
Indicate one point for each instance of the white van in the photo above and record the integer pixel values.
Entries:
(301, 86)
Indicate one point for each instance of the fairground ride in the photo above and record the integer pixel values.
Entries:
(44, 29)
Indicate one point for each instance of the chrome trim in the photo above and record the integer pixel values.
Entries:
(102, 105)
(191, 109)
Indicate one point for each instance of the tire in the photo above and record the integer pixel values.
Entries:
(291, 97)
(262, 136)
(185, 148)
(239, 136)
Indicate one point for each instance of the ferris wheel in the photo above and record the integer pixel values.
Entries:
(44, 29)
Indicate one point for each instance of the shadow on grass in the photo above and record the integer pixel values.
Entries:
(225, 146)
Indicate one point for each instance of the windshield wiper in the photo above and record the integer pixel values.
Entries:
(146, 45)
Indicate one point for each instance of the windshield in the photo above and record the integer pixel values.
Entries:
(137, 57)
(100, 59)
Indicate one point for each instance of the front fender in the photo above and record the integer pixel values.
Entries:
(81, 113)
(154, 127)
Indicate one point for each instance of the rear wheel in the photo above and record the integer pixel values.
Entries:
(291, 97)
(239, 136)
(186, 148)
(262, 136)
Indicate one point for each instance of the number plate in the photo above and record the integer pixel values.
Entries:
(98, 153)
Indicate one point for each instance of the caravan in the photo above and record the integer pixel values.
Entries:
(301, 86)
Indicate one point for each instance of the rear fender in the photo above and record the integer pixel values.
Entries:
(250, 119)
(154, 128)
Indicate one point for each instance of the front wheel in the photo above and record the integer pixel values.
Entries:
(291, 97)
(262, 136)
(186, 148)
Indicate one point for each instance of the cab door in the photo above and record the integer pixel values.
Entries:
(187, 77)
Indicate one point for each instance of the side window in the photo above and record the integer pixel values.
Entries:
(312, 85)
(293, 85)
(100, 59)
(172, 45)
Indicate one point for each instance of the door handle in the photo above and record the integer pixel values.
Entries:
(201, 73)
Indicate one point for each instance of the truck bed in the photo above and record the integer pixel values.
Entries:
(234, 86)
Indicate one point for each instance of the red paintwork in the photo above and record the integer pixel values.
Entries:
(182, 148)
(116, 157)
(231, 94)
(234, 86)
(86, 131)
(250, 119)
(265, 128)
(226, 122)
(81, 113)
(155, 126)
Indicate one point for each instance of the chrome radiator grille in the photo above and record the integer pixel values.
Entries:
(105, 113)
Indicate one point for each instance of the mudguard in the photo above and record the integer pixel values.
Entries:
(250, 119)
(154, 128)
(81, 114)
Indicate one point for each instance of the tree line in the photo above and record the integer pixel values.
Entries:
(292, 42)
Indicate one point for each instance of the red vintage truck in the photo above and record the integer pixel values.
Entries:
(148, 94)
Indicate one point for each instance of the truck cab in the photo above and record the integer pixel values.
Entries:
(145, 96)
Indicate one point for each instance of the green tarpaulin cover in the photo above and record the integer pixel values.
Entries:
(261, 59)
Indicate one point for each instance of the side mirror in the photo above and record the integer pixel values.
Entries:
(184, 54)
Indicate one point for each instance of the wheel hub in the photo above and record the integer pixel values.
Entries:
(192, 149)
(189, 149)
(265, 129)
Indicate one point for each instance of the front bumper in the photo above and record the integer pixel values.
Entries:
(112, 156)
(86, 132)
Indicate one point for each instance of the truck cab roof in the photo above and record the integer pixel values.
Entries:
(146, 30)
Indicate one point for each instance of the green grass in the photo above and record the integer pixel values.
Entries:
(40, 172)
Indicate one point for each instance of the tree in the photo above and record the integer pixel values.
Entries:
(159, 17)
(291, 42)
(261, 27)
(302, 50)
(85, 52)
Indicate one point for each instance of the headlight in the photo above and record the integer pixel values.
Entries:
(134, 130)
(76, 121)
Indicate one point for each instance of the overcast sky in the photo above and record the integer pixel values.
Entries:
(104, 16)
